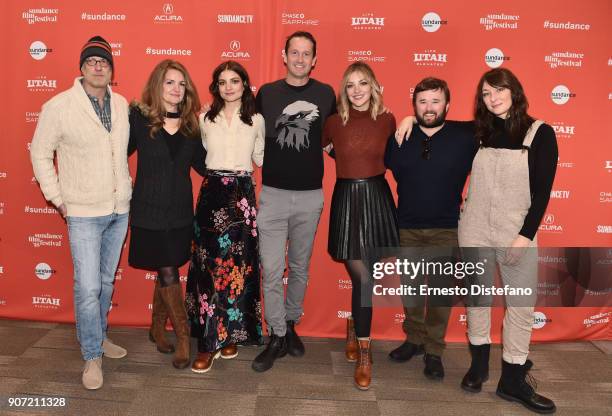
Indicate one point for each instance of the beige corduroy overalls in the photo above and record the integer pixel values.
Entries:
(493, 214)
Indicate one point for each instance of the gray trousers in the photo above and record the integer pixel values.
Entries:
(287, 222)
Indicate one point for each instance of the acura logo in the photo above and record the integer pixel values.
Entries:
(549, 219)
(235, 45)
(168, 9)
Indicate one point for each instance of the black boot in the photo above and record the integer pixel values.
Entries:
(276, 348)
(513, 387)
(295, 347)
(406, 351)
(434, 370)
(479, 369)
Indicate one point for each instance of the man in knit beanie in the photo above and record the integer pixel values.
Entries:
(86, 127)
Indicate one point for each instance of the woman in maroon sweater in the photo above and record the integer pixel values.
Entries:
(363, 213)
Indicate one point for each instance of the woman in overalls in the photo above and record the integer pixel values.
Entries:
(511, 179)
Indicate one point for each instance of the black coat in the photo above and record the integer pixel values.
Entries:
(163, 197)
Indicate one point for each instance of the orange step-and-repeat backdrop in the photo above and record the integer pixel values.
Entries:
(558, 49)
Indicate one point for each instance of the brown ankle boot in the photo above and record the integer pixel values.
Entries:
(173, 298)
(159, 315)
(352, 346)
(363, 367)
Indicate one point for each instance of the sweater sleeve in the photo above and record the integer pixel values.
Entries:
(260, 140)
(392, 147)
(198, 159)
(46, 140)
(545, 155)
(133, 143)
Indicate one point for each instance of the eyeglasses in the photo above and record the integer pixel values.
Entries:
(93, 61)
(426, 148)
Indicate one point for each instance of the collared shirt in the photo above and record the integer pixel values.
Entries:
(233, 146)
(104, 111)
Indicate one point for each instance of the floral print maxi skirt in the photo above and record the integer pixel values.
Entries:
(223, 297)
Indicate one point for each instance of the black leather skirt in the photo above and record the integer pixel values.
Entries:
(363, 215)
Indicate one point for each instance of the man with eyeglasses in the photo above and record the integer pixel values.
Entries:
(430, 169)
(86, 127)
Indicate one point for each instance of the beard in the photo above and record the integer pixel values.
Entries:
(436, 122)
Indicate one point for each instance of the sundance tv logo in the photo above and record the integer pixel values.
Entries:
(555, 194)
(168, 15)
(367, 21)
(431, 22)
(240, 19)
(560, 95)
(38, 50)
(494, 58)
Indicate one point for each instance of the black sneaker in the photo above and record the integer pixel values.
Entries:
(406, 351)
(295, 346)
(276, 348)
(434, 370)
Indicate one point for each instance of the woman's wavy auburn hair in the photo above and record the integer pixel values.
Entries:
(188, 108)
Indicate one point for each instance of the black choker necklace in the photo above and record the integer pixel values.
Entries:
(172, 115)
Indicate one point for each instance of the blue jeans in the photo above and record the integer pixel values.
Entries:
(95, 243)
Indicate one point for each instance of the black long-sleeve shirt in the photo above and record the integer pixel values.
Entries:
(163, 194)
(543, 156)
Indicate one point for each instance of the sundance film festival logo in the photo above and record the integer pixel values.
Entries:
(116, 46)
(45, 240)
(41, 84)
(38, 50)
(32, 116)
(429, 57)
(168, 15)
(598, 319)
(41, 15)
(367, 21)
(46, 302)
(549, 225)
(561, 95)
(241, 19)
(234, 52)
(43, 271)
(431, 22)
(365, 56)
(500, 21)
(298, 19)
(563, 131)
(564, 60)
(494, 58)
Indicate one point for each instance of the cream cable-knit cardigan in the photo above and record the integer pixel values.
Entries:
(92, 177)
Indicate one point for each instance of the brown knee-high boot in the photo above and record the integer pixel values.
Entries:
(173, 298)
(363, 367)
(159, 315)
(352, 346)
